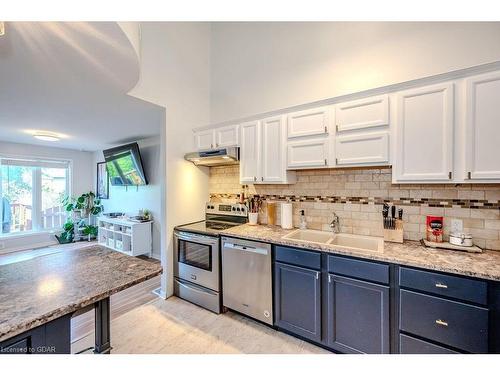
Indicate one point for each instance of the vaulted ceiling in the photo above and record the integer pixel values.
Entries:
(72, 79)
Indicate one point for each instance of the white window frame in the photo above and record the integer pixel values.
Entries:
(37, 192)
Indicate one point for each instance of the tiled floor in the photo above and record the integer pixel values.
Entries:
(175, 326)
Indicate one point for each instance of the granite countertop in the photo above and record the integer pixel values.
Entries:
(485, 265)
(36, 291)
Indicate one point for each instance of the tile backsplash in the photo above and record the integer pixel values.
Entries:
(357, 195)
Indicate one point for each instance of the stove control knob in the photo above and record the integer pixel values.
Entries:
(234, 208)
(238, 209)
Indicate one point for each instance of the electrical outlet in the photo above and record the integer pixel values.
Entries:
(457, 225)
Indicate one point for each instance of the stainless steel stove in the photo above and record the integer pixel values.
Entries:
(197, 254)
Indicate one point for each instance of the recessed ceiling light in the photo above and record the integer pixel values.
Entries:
(48, 137)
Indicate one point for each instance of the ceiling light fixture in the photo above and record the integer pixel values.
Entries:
(48, 137)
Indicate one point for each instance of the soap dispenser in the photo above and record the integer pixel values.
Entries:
(302, 222)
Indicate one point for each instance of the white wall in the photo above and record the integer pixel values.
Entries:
(175, 73)
(130, 200)
(81, 181)
(258, 67)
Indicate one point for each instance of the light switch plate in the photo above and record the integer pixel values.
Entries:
(457, 225)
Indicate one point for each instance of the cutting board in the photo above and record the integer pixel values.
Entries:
(449, 246)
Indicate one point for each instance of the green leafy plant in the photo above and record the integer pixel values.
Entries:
(147, 214)
(90, 230)
(68, 235)
(87, 203)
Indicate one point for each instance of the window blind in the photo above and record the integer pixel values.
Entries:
(63, 164)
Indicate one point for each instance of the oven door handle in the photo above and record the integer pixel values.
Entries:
(197, 238)
(194, 288)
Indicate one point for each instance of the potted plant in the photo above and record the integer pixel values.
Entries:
(84, 208)
(68, 235)
(86, 203)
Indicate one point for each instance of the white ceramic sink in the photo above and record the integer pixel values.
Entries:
(310, 235)
(353, 241)
(350, 241)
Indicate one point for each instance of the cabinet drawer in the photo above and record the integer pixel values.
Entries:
(475, 291)
(452, 323)
(359, 269)
(298, 257)
(411, 345)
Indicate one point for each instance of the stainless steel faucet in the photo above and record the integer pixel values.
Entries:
(335, 223)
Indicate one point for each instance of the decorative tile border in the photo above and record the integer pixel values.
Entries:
(428, 202)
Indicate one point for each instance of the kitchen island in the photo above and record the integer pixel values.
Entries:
(39, 296)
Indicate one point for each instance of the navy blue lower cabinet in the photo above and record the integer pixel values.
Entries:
(451, 323)
(412, 345)
(297, 297)
(53, 337)
(358, 316)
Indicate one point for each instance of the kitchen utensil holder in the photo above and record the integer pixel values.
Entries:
(396, 234)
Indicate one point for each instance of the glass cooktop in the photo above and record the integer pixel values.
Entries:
(207, 226)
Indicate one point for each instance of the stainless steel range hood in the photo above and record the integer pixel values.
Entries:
(212, 158)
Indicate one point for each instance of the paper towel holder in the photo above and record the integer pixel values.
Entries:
(286, 215)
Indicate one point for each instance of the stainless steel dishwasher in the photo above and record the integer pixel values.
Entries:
(247, 278)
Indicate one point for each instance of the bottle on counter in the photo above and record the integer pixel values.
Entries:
(302, 220)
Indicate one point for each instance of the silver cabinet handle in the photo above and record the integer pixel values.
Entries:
(317, 275)
(442, 286)
(193, 288)
(329, 278)
(442, 323)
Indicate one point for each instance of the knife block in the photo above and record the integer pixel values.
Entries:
(394, 235)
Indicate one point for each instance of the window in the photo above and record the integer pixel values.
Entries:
(31, 192)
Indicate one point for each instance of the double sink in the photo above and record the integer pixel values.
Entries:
(344, 240)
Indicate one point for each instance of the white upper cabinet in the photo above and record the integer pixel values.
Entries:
(362, 149)
(262, 152)
(204, 139)
(424, 134)
(273, 163)
(309, 122)
(224, 136)
(250, 152)
(227, 136)
(482, 127)
(308, 154)
(363, 113)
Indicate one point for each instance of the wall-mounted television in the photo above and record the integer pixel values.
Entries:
(124, 165)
